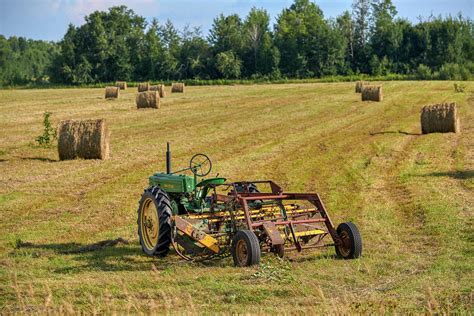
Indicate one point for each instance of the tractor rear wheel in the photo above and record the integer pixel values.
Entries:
(245, 249)
(351, 241)
(154, 222)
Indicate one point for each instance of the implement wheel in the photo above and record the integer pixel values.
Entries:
(279, 250)
(351, 247)
(154, 223)
(245, 249)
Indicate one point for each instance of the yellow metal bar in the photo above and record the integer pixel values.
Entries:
(313, 232)
(199, 236)
(210, 242)
(253, 213)
(267, 209)
(260, 214)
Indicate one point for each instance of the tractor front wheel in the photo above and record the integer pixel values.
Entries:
(154, 222)
(351, 241)
(245, 249)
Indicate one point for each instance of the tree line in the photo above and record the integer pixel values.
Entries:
(368, 39)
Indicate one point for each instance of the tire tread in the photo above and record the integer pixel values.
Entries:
(252, 242)
(164, 212)
(354, 234)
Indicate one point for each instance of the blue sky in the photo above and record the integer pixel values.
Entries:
(48, 19)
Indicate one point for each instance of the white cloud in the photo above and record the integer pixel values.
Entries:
(76, 10)
(55, 5)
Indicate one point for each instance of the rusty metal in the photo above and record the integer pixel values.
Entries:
(280, 222)
(273, 233)
(295, 239)
(293, 248)
(259, 222)
(310, 247)
(276, 189)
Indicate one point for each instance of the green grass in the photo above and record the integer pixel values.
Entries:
(411, 195)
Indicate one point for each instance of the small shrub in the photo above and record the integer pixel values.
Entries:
(451, 71)
(459, 87)
(276, 74)
(49, 132)
(18, 243)
(423, 72)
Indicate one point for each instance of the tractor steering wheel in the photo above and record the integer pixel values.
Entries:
(200, 165)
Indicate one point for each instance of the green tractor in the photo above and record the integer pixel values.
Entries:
(210, 218)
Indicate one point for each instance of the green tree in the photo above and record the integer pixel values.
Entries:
(95, 46)
(195, 54)
(259, 54)
(386, 35)
(228, 65)
(169, 65)
(83, 72)
(65, 61)
(23, 61)
(135, 42)
(126, 34)
(308, 44)
(361, 16)
(119, 65)
(226, 34)
(345, 25)
(151, 50)
(117, 44)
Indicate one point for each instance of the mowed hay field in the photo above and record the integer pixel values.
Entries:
(411, 195)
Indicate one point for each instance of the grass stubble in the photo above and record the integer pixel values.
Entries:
(411, 196)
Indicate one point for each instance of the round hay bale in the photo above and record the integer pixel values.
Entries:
(372, 93)
(143, 86)
(360, 85)
(440, 118)
(161, 89)
(121, 84)
(148, 99)
(87, 139)
(112, 92)
(177, 87)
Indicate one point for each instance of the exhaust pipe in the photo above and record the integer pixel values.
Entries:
(168, 158)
